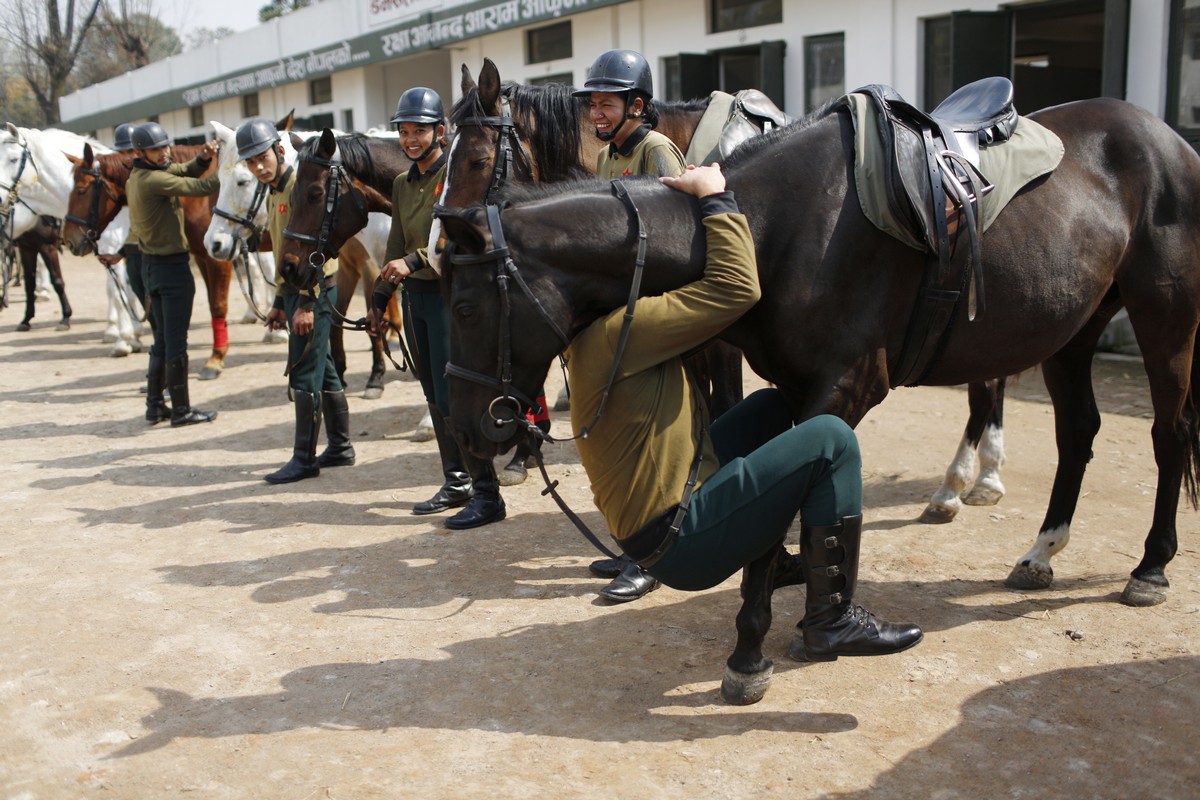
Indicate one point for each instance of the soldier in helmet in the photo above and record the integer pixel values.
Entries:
(468, 482)
(153, 190)
(620, 95)
(313, 380)
(123, 143)
(620, 91)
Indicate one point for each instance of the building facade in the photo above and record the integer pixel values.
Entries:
(344, 63)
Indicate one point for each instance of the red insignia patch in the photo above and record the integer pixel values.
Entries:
(438, 190)
(626, 173)
(283, 208)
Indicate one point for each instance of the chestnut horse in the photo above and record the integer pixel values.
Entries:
(508, 132)
(99, 193)
(1114, 225)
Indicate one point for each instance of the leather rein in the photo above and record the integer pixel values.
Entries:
(250, 244)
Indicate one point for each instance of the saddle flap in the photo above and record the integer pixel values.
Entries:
(752, 113)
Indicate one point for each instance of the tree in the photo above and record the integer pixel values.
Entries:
(202, 36)
(46, 44)
(277, 8)
(125, 38)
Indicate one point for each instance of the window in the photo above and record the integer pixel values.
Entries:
(938, 81)
(197, 113)
(730, 15)
(824, 69)
(548, 43)
(250, 105)
(564, 78)
(320, 90)
(314, 123)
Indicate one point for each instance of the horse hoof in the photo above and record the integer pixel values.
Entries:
(513, 475)
(424, 429)
(1142, 593)
(743, 689)
(249, 318)
(24, 326)
(983, 496)
(372, 393)
(563, 403)
(937, 515)
(63, 326)
(121, 349)
(109, 336)
(275, 337)
(209, 374)
(1029, 576)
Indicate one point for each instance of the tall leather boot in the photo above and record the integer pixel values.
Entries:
(833, 625)
(456, 491)
(338, 451)
(303, 463)
(182, 412)
(486, 505)
(157, 409)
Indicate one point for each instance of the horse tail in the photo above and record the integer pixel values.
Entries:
(1190, 432)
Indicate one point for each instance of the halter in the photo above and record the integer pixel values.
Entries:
(91, 225)
(8, 218)
(507, 144)
(244, 247)
(333, 193)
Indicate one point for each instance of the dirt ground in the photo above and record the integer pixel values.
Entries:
(173, 626)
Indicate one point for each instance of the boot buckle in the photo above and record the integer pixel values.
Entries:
(831, 542)
(833, 571)
(832, 599)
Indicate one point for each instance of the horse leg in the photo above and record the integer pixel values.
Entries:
(216, 276)
(29, 267)
(748, 671)
(988, 488)
(1068, 376)
(50, 256)
(724, 362)
(946, 502)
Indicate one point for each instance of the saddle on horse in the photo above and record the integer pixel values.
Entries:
(730, 120)
(933, 185)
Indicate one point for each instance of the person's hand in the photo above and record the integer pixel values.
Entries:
(398, 269)
(302, 321)
(276, 319)
(374, 321)
(698, 181)
(110, 259)
(210, 149)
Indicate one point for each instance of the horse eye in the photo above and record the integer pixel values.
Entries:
(314, 195)
(480, 163)
(464, 311)
(243, 181)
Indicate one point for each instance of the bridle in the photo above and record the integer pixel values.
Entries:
(333, 194)
(508, 147)
(244, 247)
(8, 218)
(91, 225)
(507, 408)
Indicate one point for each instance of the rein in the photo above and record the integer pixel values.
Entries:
(508, 144)
(91, 225)
(506, 409)
(248, 245)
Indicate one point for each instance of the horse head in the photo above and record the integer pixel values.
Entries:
(503, 336)
(92, 202)
(235, 219)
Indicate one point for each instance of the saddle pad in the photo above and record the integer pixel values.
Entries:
(1031, 152)
(704, 147)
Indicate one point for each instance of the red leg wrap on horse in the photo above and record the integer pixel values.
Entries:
(542, 415)
(220, 334)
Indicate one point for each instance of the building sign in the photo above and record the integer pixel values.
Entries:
(290, 70)
(389, 12)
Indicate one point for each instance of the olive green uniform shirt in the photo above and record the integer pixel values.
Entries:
(640, 453)
(644, 152)
(413, 197)
(154, 212)
(279, 214)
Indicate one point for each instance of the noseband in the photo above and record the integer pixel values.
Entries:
(333, 194)
(91, 225)
(507, 408)
(508, 145)
(247, 220)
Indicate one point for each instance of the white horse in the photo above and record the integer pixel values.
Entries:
(125, 309)
(32, 163)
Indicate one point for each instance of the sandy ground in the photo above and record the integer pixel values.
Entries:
(173, 626)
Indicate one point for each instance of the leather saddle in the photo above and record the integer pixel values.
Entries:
(752, 113)
(933, 184)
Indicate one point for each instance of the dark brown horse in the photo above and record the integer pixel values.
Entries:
(1114, 225)
(97, 196)
(41, 240)
(511, 133)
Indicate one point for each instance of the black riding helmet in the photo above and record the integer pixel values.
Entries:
(419, 104)
(618, 71)
(255, 137)
(148, 135)
(123, 137)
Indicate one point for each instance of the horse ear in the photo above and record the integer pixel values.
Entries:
(12, 130)
(296, 141)
(468, 82)
(285, 124)
(224, 132)
(75, 160)
(88, 156)
(489, 87)
(466, 227)
(328, 144)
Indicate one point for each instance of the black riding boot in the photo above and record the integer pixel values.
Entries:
(833, 625)
(338, 452)
(457, 490)
(486, 505)
(157, 409)
(304, 453)
(182, 412)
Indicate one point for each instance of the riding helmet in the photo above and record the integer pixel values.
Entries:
(149, 134)
(618, 71)
(255, 137)
(123, 137)
(419, 104)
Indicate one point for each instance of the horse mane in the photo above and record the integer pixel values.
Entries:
(356, 156)
(751, 147)
(554, 132)
(115, 167)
